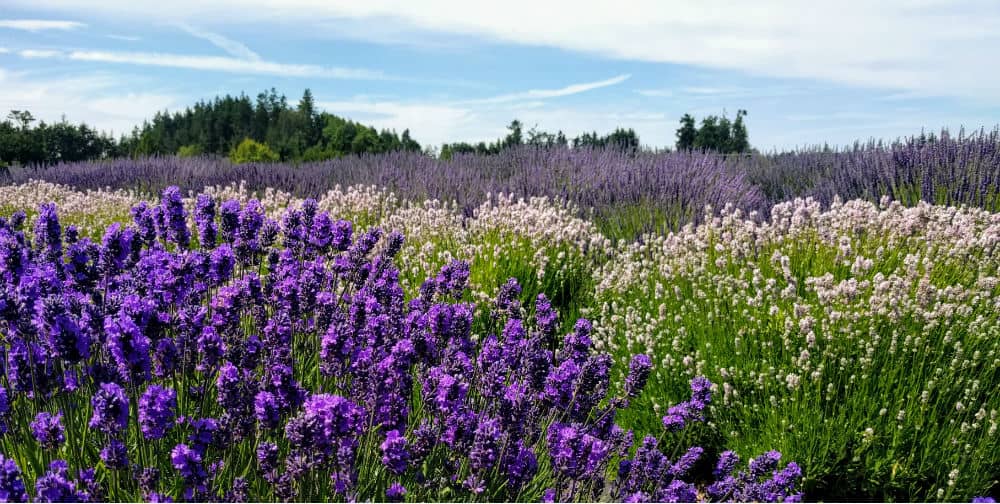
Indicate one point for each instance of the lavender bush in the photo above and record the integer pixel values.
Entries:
(248, 359)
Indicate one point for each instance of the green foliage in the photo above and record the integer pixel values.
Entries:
(21, 143)
(300, 133)
(686, 133)
(715, 133)
(545, 139)
(621, 139)
(251, 151)
(189, 151)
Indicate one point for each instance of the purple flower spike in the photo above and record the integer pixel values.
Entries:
(110, 405)
(157, 408)
(638, 373)
(395, 493)
(48, 430)
(11, 485)
(395, 455)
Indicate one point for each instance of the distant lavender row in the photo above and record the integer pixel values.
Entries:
(944, 169)
(622, 189)
(605, 180)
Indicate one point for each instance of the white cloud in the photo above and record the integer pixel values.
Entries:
(97, 99)
(227, 64)
(437, 122)
(4, 50)
(39, 53)
(34, 25)
(537, 94)
(707, 90)
(656, 93)
(854, 116)
(233, 47)
(430, 123)
(126, 38)
(927, 45)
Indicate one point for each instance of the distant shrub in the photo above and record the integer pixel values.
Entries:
(319, 153)
(250, 151)
(189, 151)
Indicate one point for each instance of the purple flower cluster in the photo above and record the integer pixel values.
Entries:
(650, 475)
(11, 484)
(56, 485)
(110, 404)
(48, 430)
(679, 415)
(157, 408)
(761, 482)
(272, 360)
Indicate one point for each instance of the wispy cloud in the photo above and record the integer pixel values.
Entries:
(537, 94)
(934, 46)
(858, 117)
(38, 53)
(234, 48)
(34, 25)
(434, 122)
(4, 50)
(906, 96)
(229, 65)
(655, 93)
(708, 90)
(126, 38)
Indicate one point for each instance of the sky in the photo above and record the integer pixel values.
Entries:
(807, 73)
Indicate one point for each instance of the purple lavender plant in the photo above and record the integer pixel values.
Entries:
(157, 408)
(110, 405)
(48, 430)
(11, 485)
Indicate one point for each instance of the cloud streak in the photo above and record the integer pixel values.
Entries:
(126, 38)
(35, 25)
(539, 94)
(215, 64)
(38, 53)
(234, 48)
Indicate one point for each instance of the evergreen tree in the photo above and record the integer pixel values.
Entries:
(687, 133)
(739, 141)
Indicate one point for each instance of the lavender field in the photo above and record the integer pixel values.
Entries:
(625, 194)
(540, 325)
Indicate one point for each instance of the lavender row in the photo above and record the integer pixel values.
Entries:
(606, 181)
(248, 358)
(942, 169)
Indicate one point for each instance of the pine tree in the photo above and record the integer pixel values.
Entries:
(687, 133)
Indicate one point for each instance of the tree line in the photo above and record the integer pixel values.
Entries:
(23, 142)
(299, 133)
(268, 128)
(715, 134)
(620, 138)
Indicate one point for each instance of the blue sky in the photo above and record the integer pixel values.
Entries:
(807, 72)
